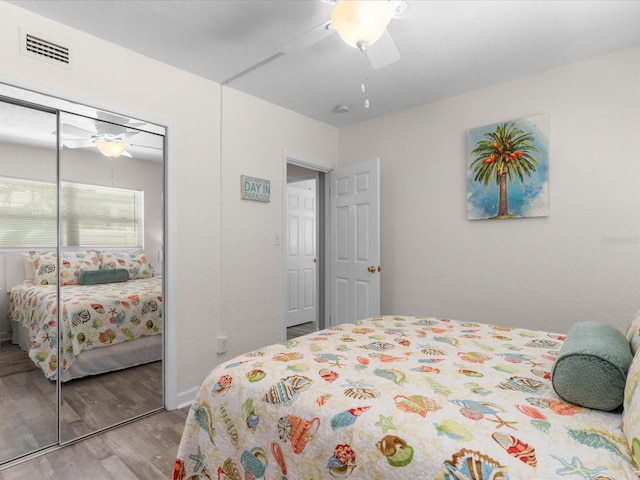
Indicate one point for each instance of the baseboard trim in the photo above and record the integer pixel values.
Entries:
(187, 397)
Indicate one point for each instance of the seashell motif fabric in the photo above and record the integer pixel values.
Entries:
(399, 397)
(92, 316)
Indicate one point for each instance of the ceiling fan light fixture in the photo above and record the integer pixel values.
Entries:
(361, 23)
(111, 148)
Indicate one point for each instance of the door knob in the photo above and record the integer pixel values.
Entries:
(372, 269)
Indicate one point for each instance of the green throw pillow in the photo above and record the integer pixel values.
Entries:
(591, 367)
(94, 277)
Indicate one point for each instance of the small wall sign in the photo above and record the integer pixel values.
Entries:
(252, 188)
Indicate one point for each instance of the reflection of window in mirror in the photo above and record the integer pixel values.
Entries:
(94, 215)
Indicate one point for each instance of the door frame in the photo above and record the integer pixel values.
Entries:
(322, 238)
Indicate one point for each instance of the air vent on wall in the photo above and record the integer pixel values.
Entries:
(35, 46)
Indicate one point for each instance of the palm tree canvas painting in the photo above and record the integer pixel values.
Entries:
(508, 168)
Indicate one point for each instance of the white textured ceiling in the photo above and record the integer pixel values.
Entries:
(446, 47)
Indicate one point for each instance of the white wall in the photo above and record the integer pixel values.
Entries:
(204, 208)
(256, 138)
(582, 262)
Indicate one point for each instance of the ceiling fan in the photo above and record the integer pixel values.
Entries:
(110, 141)
(361, 24)
(107, 133)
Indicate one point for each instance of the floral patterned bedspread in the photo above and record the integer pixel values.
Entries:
(398, 398)
(92, 316)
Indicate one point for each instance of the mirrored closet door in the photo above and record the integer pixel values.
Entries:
(111, 234)
(83, 293)
(28, 223)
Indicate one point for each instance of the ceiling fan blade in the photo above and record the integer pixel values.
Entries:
(113, 130)
(142, 147)
(75, 131)
(384, 52)
(78, 143)
(307, 39)
(128, 134)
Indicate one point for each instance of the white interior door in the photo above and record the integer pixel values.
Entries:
(354, 208)
(301, 253)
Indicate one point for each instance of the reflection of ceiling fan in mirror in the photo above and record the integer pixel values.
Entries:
(109, 139)
(111, 145)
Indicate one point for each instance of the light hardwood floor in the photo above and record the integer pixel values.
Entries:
(299, 330)
(142, 450)
(28, 423)
(28, 405)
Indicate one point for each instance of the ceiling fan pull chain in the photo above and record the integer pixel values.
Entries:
(363, 89)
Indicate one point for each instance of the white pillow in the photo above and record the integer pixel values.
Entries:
(29, 269)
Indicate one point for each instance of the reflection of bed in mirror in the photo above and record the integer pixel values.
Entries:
(118, 308)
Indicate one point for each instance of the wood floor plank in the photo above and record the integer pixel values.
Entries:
(116, 468)
(36, 468)
(164, 461)
(97, 448)
(75, 462)
(142, 450)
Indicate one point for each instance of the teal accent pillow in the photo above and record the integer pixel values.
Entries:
(94, 277)
(592, 365)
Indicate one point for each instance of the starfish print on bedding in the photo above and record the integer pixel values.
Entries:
(199, 459)
(356, 384)
(330, 358)
(576, 467)
(502, 423)
(385, 423)
(535, 364)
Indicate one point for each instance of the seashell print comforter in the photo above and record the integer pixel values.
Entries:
(92, 316)
(398, 398)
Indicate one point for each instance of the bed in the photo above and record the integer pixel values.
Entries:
(124, 315)
(408, 397)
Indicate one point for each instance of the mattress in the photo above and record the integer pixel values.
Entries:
(92, 317)
(96, 361)
(398, 397)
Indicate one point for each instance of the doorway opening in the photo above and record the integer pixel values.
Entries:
(304, 250)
